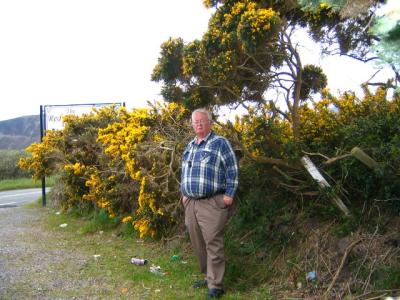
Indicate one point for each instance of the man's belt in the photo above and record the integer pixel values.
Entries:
(208, 196)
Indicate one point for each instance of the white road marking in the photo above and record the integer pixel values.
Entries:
(9, 203)
(17, 195)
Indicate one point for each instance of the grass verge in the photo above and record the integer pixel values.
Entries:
(103, 251)
(23, 183)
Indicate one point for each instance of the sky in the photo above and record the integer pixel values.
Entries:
(59, 52)
(87, 51)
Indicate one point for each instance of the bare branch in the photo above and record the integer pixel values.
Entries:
(346, 254)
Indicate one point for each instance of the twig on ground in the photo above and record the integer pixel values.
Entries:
(371, 270)
(346, 254)
(246, 235)
(367, 253)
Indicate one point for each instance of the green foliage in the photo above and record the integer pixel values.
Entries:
(248, 53)
(231, 61)
(9, 165)
(314, 5)
(99, 221)
(386, 28)
(346, 226)
(387, 278)
(170, 63)
(127, 230)
(314, 80)
(337, 125)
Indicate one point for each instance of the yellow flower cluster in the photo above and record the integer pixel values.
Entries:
(324, 10)
(127, 219)
(144, 228)
(147, 199)
(320, 121)
(260, 133)
(260, 19)
(43, 160)
(121, 138)
(98, 193)
(239, 8)
(76, 168)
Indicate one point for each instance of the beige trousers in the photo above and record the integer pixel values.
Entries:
(205, 220)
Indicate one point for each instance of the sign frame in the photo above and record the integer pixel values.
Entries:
(70, 108)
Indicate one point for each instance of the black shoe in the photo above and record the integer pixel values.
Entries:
(215, 293)
(200, 284)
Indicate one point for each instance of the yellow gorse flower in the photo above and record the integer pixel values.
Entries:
(127, 219)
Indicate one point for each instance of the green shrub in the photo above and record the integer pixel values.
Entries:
(9, 165)
(100, 220)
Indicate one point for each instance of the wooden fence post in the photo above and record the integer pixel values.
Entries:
(364, 158)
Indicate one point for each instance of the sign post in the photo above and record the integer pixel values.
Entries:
(41, 140)
(51, 118)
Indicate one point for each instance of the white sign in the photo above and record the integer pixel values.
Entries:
(53, 114)
(312, 169)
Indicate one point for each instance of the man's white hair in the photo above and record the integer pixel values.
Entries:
(203, 111)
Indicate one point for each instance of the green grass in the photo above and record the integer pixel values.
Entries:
(23, 183)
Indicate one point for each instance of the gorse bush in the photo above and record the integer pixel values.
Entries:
(128, 163)
(372, 124)
(124, 163)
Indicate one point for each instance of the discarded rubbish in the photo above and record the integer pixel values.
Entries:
(138, 261)
(175, 257)
(156, 270)
(311, 275)
(96, 256)
(58, 213)
(63, 225)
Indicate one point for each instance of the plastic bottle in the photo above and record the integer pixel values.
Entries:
(139, 261)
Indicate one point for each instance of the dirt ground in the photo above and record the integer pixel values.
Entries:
(35, 264)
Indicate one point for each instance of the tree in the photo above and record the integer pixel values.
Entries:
(248, 57)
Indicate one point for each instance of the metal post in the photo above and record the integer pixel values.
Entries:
(42, 115)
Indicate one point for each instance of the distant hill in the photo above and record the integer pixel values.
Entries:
(20, 132)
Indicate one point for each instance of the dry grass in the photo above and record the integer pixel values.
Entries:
(346, 268)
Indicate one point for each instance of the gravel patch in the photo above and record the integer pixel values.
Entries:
(40, 264)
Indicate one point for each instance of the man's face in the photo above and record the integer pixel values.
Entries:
(201, 124)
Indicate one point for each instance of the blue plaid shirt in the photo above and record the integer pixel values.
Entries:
(209, 168)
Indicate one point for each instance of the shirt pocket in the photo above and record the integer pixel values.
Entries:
(206, 157)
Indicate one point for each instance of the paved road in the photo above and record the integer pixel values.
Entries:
(18, 197)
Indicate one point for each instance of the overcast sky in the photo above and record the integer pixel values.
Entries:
(92, 51)
(87, 51)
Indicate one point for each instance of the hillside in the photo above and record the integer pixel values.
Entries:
(20, 132)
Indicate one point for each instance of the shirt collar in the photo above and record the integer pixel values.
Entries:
(208, 136)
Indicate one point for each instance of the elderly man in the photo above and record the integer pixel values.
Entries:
(208, 185)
